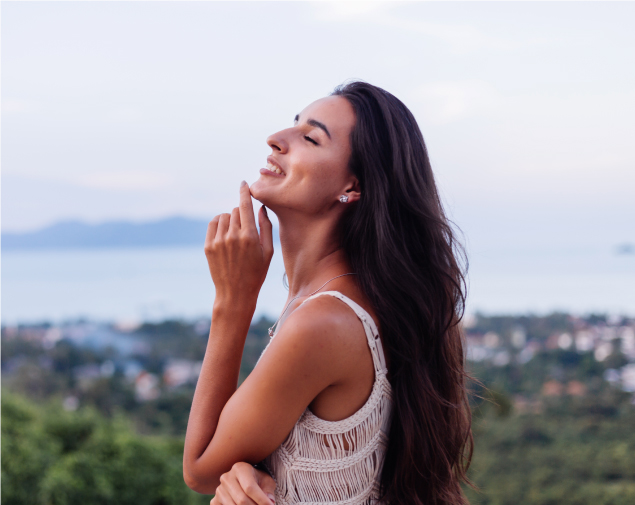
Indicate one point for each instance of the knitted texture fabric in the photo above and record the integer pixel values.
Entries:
(338, 462)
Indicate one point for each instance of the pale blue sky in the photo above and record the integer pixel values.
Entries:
(143, 110)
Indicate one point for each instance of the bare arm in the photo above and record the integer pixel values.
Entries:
(216, 384)
(229, 425)
(238, 260)
(300, 363)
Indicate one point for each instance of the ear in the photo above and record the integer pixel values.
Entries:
(353, 190)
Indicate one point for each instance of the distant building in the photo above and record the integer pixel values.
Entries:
(553, 342)
(627, 335)
(552, 388)
(576, 388)
(584, 341)
(628, 377)
(491, 340)
(565, 340)
(146, 387)
(603, 351)
(178, 372)
(524, 405)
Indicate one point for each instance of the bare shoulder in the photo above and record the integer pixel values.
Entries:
(324, 328)
(325, 317)
(315, 352)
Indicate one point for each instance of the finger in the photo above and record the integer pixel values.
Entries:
(267, 484)
(211, 230)
(223, 226)
(250, 484)
(266, 233)
(234, 221)
(246, 207)
(239, 494)
(224, 497)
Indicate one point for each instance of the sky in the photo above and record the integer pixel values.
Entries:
(143, 110)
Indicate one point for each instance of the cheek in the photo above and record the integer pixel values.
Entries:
(322, 181)
(318, 178)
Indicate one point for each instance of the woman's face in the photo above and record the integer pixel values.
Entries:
(312, 157)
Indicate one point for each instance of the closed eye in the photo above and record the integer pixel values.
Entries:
(310, 140)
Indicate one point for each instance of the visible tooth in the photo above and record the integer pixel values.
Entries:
(278, 171)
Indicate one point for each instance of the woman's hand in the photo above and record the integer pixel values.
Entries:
(244, 485)
(237, 256)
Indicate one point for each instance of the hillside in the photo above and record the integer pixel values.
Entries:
(173, 231)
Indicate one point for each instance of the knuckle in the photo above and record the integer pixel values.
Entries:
(243, 500)
(249, 237)
(224, 477)
(250, 488)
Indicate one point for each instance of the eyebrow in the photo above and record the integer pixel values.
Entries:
(314, 122)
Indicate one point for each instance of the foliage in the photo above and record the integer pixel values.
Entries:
(536, 327)
(546, 459)
(53, 457)
(530, 447)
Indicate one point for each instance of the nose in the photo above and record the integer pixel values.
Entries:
(277, 142)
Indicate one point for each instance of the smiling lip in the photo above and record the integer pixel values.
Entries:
(274, 164)
(266, 171)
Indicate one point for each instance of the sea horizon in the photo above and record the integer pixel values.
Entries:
(173, 282)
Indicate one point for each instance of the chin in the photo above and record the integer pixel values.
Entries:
(260, 192)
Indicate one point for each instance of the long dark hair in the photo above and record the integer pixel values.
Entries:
(412, 268)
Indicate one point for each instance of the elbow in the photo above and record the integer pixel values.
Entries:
(204, 483)
(192, 482)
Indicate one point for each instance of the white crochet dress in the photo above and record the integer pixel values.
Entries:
(337, 462)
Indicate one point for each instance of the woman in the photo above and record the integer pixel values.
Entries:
(334, 417)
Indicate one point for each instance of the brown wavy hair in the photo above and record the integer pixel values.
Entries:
(412, 268)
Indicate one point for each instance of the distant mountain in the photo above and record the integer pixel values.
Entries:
(75, 234)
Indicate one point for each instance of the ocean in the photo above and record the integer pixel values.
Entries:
(149, 284)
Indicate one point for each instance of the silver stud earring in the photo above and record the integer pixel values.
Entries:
(343, 198)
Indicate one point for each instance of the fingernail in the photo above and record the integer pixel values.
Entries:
(244, 183)
(271, 497)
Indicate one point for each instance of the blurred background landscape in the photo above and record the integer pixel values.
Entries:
(128, 126)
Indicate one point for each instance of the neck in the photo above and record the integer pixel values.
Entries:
(311, 252)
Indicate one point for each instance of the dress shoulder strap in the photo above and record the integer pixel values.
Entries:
(370, 328)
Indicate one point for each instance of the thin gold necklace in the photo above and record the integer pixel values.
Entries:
(285, 309)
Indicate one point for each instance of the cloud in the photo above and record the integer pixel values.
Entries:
(129, 180)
